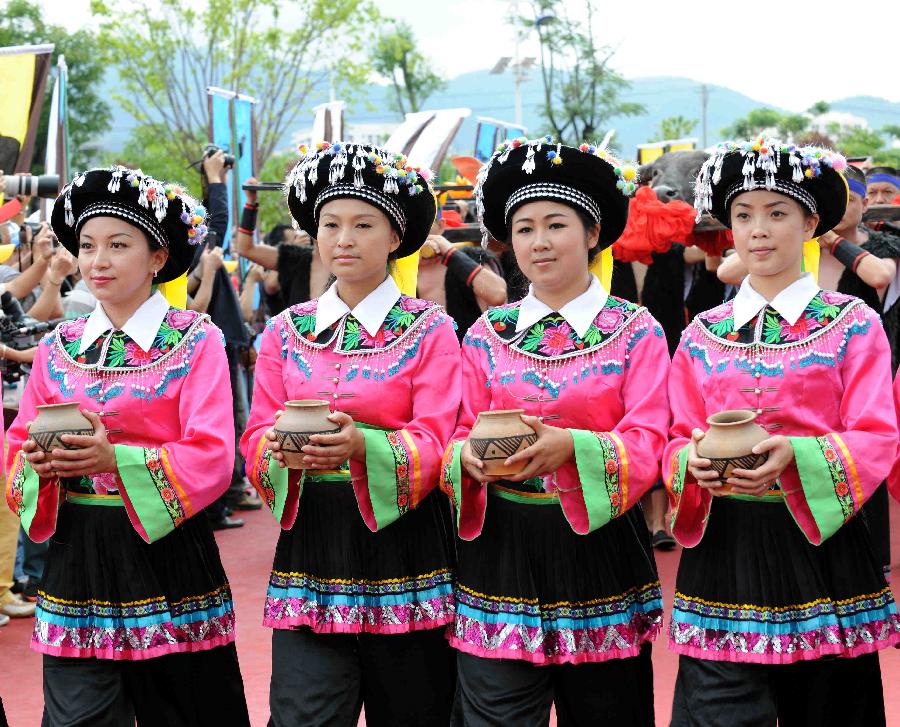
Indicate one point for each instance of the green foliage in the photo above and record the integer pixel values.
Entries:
(396, 57)
(581, 91)
(167, 52)
(857, 141)
(148, 149)
(790, 125)
(22, 23)
(674, 127)
(819, 108)
(753, 124)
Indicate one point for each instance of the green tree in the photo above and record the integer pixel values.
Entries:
(582, 92)
(857, 141)
(791, 125)
(22, 23)
(396, 57)
(674, 127)
(167, 52)
(753, 124)
(819, 108)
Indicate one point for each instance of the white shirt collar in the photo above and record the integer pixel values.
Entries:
(790, 302)
(579, 312)
(370, 311)
(141, 328)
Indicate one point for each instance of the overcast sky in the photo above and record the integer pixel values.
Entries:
(788, 53)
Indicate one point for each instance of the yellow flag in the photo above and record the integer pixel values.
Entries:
(405, 273)
(811, 253)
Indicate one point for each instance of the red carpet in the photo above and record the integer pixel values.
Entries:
(247, 554)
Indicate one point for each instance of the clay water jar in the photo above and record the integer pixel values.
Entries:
(497, 435)
(301, 419)
(730, 440)
(54, 420)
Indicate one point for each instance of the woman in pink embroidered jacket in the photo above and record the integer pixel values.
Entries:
(134, 601)
(557, 593)
(778, 577)
(361, 588)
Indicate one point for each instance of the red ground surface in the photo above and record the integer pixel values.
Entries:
(247, 554)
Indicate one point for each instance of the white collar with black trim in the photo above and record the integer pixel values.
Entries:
(141, 328)
(370, 311)
(579, 312)
(790, 302)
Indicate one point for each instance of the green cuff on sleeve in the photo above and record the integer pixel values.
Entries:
(153, 497)
(825, 483)
(26, 491)
(599, 479)
(387, 472)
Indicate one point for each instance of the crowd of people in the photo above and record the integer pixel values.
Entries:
(424, 571)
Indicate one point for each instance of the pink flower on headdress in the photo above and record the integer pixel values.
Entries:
(136, 356)
(557, 339)
(179, 318)
(609, 319)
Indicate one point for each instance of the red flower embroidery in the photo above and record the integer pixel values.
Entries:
(153, 464)
(611, 466)
(842, 489)
(614, 499)
(402, 500)
(556, 340)
(830, 455)
(167, 494)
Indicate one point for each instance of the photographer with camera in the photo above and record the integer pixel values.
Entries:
(224, 309)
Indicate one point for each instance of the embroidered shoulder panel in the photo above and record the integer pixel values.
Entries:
(117, 351)
(347, 335)
(553, 337)
(824, 311)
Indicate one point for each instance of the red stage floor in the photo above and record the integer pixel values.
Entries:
(247, 554)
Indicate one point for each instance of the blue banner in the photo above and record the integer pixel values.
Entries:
(486, 141)
(221, 137)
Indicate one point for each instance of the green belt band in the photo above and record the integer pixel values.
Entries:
(83, 498)
(521, 497)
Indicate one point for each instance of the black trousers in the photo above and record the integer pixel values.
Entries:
(199, 689)
(403, 680)
(822, 693)
(510, 693)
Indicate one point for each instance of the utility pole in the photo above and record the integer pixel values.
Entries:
(704, 103)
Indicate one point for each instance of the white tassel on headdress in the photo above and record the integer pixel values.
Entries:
(528, 166)
(359, 164)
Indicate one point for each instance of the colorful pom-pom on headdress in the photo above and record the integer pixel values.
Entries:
(169, 217)
(387, 180)
(808, 174)
(586, 177)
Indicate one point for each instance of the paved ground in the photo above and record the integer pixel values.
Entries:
(247, 554)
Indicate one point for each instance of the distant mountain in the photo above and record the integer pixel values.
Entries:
(494, 96)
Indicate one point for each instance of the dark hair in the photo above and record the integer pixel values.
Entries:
(275, 236)
(587, 222)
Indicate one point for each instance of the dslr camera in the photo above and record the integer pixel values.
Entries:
(46, 185)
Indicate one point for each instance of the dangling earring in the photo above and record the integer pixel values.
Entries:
(155, 273)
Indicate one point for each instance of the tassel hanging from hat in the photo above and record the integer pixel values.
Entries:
(115, 181)
(528, 166)
(175, 291)
(70, 218)
(405, 273)
(359, 164)
(602, 267)
(797, 168)
(338, 165)
(811, 254)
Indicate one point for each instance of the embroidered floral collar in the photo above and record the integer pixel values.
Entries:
(790, 302)
(348, 335)
(770, 327)
(140, 327)
(579, 313)
(117, 349)
(553, 336)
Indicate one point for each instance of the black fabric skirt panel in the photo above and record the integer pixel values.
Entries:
(502, 692)
(198, 689)
(755, 590)
(831, 692)
(323, 680)
(333, 574)
(530, 588)
(107, 593)
(877, 514)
